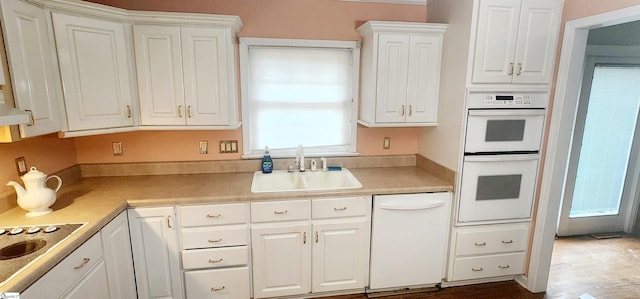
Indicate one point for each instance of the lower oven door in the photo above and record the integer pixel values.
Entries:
(504, 130)
(497, 187)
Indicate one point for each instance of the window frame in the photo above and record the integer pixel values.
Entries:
(245, 43)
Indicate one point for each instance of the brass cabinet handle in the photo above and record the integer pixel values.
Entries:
(340, 209)
(169, 222)
(215, 241)
(189, 111)
(402, 111)
(410, 110)
(519, 69)
(213, 216)
(507, 242)
(304, 238)
(480, 244)
(477, 269)
(504, 267)
(215, 261)
(129, 114)
(180, 111)
(32, 119)
(511, 66)
(280, 212)
(316, 236)
(215, 289)
(85, 261)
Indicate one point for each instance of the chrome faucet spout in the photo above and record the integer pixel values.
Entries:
(300, 158)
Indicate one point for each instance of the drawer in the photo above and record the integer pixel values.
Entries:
(215, 257)
(285, 210)
(488, 266)
(340, 207)
(472, 242)
(62, 277)
(218, 283)
(216, 236)
(202, 215)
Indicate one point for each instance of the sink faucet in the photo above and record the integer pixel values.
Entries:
(300, 158)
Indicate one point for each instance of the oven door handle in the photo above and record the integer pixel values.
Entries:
(505, 112)
(501, 158)
(420, 206)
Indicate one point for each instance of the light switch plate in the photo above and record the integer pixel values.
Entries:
(21, 166)
(117, 148)
(204, 147)
(386, 144)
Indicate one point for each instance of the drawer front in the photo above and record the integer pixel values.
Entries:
(217, 236)
(59, 279)
(286, 210)
(488, 266)
(491, 241)
(218, 283)
(215, 257)
(202, 215)
(340, 207)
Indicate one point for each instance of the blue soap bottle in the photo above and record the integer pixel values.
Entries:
(267, 163)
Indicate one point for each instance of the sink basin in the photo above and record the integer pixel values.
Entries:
(284, 181)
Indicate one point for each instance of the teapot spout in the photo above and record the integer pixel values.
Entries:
(19, 190)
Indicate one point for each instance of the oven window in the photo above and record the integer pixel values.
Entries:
(498, 187)
(505, 130)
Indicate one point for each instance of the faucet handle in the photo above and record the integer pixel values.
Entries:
(324, 163)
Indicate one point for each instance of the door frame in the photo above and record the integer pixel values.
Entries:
(557, 148)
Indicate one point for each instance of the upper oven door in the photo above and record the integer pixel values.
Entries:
(504, 130)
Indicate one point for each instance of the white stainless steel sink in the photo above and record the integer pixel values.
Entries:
(284, 181)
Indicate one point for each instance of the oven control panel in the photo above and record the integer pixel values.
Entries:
(507, 100)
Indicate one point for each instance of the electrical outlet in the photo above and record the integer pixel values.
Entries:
(386, 144)
(117, 148)
(21, 166)
(204, 147)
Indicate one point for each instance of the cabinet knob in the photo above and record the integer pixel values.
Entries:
(504, 267)
(507, 242)
(519, 69)
(477, 269)
(85, 261)
(410, 110)
(213, 215)
(480, 244)
(215, 289)
(280, 212)
(215, 261)
(180, 111)
(129, 114)
(189, 111)
(340, 209)
(215, 241)
(511, 69)
(402, 113)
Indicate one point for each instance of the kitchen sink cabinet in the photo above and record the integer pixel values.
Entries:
(33, 66)
(94, 56)
(187, 75)
(516, 41)
(400, 74)
(116, 243)
(155, 246)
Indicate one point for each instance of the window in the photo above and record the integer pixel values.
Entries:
(299, 92)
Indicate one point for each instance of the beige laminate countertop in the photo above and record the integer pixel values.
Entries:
(98, 200)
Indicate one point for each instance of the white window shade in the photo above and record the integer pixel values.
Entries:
(299, 94)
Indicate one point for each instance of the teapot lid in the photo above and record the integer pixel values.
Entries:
(33, 174)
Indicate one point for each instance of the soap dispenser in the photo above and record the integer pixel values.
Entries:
(267, 163)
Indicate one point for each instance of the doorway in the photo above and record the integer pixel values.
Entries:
(599, 185)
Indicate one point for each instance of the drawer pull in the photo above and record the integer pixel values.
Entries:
(304, 238)
(215, 261)
(477, 269)
(213, 216)
(480, 244)
(340, 209)
(504, 267)
(507, 242)
(215, 241)
(85, 261)
(214, 289)
(280, 212)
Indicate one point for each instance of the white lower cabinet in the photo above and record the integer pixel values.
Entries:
(218, 283)
(310, 246)
(155, 244)
(486, 251)
(118, 260)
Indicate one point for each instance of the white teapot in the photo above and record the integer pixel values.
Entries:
(37, 198)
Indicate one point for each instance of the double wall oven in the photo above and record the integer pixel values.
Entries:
(503, 137)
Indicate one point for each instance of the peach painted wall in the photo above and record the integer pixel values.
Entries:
(305, 19)
(48, 153)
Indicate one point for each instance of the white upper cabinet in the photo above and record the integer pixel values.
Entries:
(516, 41)
(186, 75)
(94, 65)
(34, 70)
(400, 73)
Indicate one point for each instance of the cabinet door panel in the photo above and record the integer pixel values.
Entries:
(340, 255)
(31, 59)
(155, 252)
(94, 65)
(424, 78)
(281, 260)
(205, 68)
(159, 70)
(393, 63)
(93, 285)
(537, 39)
(116, 243)
(496, 41)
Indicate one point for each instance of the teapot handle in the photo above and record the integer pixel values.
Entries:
(57, 178)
